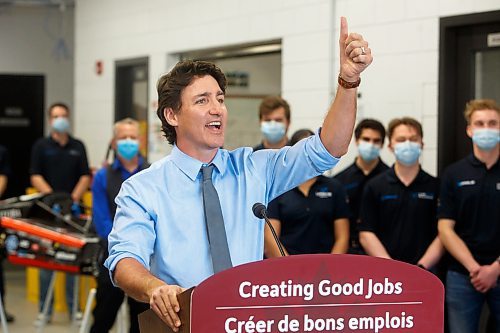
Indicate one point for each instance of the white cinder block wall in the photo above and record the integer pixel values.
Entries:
(403, 79)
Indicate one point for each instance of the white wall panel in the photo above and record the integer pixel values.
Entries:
(29, 40)
(403, 34)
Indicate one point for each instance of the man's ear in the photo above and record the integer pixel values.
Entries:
(389, 145)
(171, 116)
(468, 130)
(112, 144)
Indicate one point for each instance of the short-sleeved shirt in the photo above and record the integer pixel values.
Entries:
(160, 220)
(4, 161)
(307, 222)
(60, 166)
(470, 195)
(354, 180)
(402, 217)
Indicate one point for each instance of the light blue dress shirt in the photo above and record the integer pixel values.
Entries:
(160, 221)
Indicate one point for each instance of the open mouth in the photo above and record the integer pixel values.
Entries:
(214, 125)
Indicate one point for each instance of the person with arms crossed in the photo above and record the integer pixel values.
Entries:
(469, 222)
(369, 135)
(398, 209)
(166, 203)
(106, 185)
(59, 164)
(311, 218)
(274, 116)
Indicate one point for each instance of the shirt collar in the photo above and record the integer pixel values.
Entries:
(191, 166)
(378, 167)
(477, 163)
(393, 178)
(474, 160)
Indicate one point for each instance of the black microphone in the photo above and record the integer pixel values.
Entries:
(260, 211)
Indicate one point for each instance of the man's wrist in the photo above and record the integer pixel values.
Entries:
(347, 84)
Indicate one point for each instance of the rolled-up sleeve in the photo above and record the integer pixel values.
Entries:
(133, 234)
(292, 165)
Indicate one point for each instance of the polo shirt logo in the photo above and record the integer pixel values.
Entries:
(466, 183)
(351, 185)
(389, 197)
(424, 195)
(323, 195)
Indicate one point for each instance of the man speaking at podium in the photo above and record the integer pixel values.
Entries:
(190, 214)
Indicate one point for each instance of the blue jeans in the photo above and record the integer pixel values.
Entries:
(45, 276)
(465, 303)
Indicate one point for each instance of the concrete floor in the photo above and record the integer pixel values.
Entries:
(26, 312)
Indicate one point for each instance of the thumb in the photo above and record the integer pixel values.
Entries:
(344, 32)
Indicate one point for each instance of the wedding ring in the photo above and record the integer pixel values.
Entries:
(363, 50)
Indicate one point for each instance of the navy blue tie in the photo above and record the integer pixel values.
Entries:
(217, 239)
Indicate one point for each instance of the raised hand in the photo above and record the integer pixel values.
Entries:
(355, 55)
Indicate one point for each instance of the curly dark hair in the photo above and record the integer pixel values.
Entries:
(171, 85)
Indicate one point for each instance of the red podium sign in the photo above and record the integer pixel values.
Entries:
(319, 293)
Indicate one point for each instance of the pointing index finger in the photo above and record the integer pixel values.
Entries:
(344, 32)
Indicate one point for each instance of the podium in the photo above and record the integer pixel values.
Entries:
(312, 293)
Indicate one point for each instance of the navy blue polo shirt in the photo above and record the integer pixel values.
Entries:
(307, 222)
(354, 180)
(60, 166)
(470, 195)
(402, 217)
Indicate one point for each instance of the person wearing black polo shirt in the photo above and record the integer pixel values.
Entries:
(59, 164)
(311, 218)
(469, 222)
(274, 116)
(398, 209)
(369, 135)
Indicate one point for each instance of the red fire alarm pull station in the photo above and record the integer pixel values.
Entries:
(99, 67)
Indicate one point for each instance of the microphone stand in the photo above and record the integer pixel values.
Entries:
(276, 239)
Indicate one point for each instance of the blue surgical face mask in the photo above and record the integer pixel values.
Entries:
(272, 130)
(486, 138)
(127, 148)
(61, 125)
(407, 152)
(368, 151)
